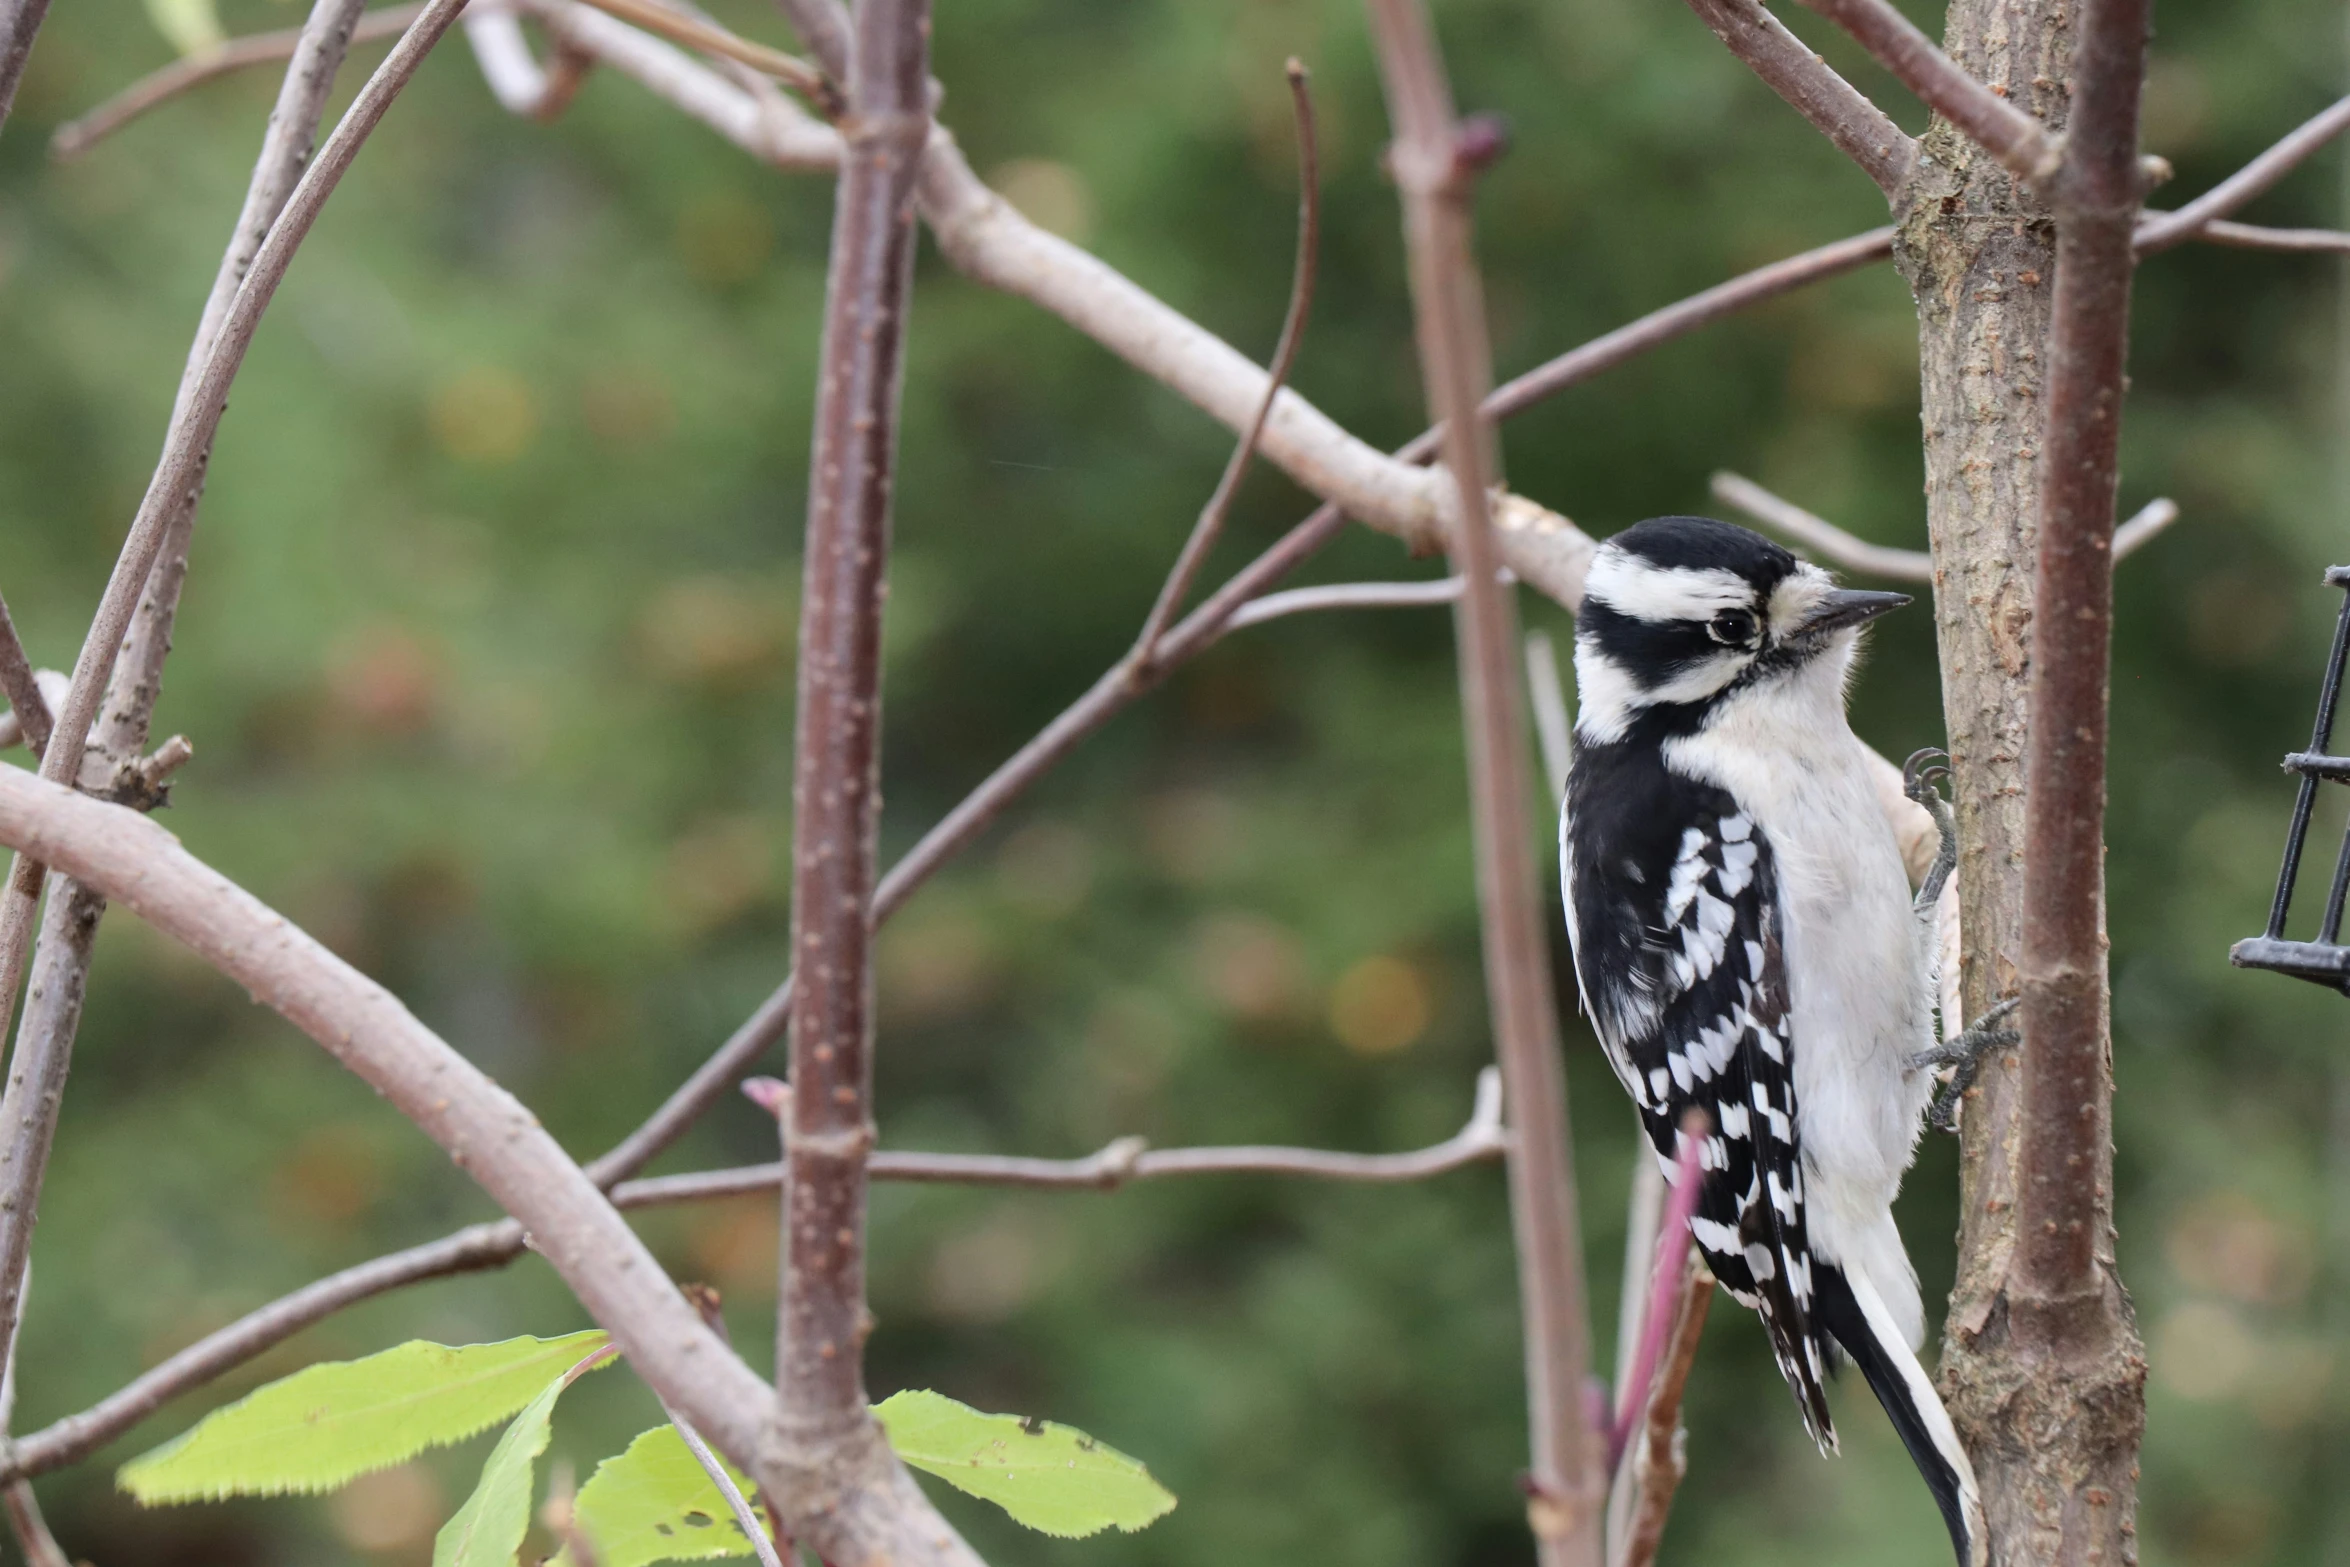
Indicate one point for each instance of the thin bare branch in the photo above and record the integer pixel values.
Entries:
(516, 79)
(487, 1132)
(736, 1503)
(2145, 525)
(1126, 1160)
(987, 239)
(51, 683)
(25, 701)
(1682, 317)
(1794, 70)
(2160, 231)
(1658, 1460)
(1435, 169)
(1819, 535)
(77, 136)
(823, 26)
(1210, 526)
(2252, 236)
(281, 202)
(776, 132)
(2021, 143)
(1831, 543)
(710, 38)
(20, 23)
(1553, 729)
(1345, 595)
(2064, 1147)
(40, 1547)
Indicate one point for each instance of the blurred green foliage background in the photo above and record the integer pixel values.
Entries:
(487, 659)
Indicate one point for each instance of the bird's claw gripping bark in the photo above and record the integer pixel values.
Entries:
(1964, 1056)
(1921, 777)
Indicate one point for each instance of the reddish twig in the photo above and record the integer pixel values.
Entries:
(1435, 170)
(2021, 144)
(1210, 526)
(77, 136)
(1664, 1289)
(1794, 70)
(1656, 1464)
(847, 1498)
(2064, 1150)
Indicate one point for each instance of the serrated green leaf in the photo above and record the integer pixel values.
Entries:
(1055, 1479)
(488, 1530)
(191, 26)
(330, 1423)
(655, 1503)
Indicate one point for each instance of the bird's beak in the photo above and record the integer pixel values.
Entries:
(1841, 608)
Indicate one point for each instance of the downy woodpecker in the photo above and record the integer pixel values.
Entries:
(1745, 946)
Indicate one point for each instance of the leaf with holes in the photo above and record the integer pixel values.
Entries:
(1054, 1479)
(330, 1423)
(654, 1503)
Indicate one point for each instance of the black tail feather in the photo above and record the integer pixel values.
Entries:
(1894, 1376)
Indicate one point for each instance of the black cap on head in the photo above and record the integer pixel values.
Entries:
(1701, 542)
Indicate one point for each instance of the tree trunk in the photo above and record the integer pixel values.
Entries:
(2054, 1436)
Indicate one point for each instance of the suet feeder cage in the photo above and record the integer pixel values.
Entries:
(2325, 961)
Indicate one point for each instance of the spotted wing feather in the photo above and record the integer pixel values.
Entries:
(1680, 955)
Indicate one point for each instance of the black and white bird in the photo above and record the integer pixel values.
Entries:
(1745, 944)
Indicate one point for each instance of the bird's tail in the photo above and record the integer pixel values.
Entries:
(1848, 1306)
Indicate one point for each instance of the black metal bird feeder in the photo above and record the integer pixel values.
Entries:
(2324, 961)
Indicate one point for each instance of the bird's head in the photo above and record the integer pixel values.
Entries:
(1680, 611)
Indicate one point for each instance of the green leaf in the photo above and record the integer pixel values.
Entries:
(191, 26)
(330, 1423)
(488, 1530)
(1054, 1479)
(654, 1503)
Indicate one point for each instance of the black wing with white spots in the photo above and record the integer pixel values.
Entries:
(1672, 900)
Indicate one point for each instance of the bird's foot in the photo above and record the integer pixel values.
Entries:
(1963, 1055)
(1921, 777)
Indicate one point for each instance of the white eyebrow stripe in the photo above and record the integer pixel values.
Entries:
(1631, 586)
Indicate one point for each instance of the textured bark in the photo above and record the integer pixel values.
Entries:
(2054, 1436)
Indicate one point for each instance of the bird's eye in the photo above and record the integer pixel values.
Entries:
(1732, 628)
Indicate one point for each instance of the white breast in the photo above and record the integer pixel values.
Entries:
(1855, 965)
